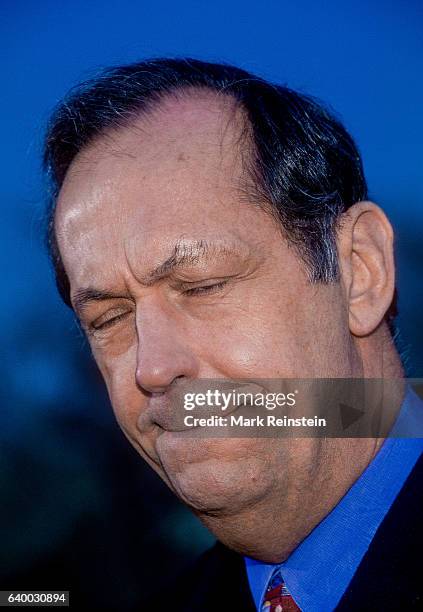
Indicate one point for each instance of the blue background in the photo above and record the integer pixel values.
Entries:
(76, 499)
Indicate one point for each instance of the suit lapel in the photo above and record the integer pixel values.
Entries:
(389, 575)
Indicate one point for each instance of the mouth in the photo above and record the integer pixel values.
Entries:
(208, 399)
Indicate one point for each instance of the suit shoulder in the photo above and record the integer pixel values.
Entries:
(389, 575)
(217, 580)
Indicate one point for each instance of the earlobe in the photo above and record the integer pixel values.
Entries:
(367, 265)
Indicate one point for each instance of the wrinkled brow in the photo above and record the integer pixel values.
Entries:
(185, 253)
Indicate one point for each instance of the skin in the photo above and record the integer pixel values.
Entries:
(170, 187)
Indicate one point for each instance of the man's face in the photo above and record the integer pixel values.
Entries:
(195, 281)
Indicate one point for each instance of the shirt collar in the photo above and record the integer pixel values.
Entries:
(319, 570)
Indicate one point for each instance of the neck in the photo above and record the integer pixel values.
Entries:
(379, 356)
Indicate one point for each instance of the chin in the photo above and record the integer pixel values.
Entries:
(214, 476)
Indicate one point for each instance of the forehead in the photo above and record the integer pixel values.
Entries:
(176, 172)
(195, 137)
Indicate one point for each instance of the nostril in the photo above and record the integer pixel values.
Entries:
(156, 382)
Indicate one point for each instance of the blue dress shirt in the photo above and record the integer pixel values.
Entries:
(320, 569)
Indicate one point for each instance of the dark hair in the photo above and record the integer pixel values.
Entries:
(304, 164)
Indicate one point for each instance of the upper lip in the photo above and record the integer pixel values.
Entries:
(159, 411)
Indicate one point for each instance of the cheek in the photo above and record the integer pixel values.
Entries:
(119, 375)
(283, 337)
(266, 342)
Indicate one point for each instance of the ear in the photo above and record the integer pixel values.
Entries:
(366, 256)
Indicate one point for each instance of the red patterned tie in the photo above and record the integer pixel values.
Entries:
(277, 597)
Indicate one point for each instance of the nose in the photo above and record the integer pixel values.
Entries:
(162, 354)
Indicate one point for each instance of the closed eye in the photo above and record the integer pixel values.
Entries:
(205, 289)
(107, 321)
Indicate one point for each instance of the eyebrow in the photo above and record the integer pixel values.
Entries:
(83, 297)
(184, 253)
